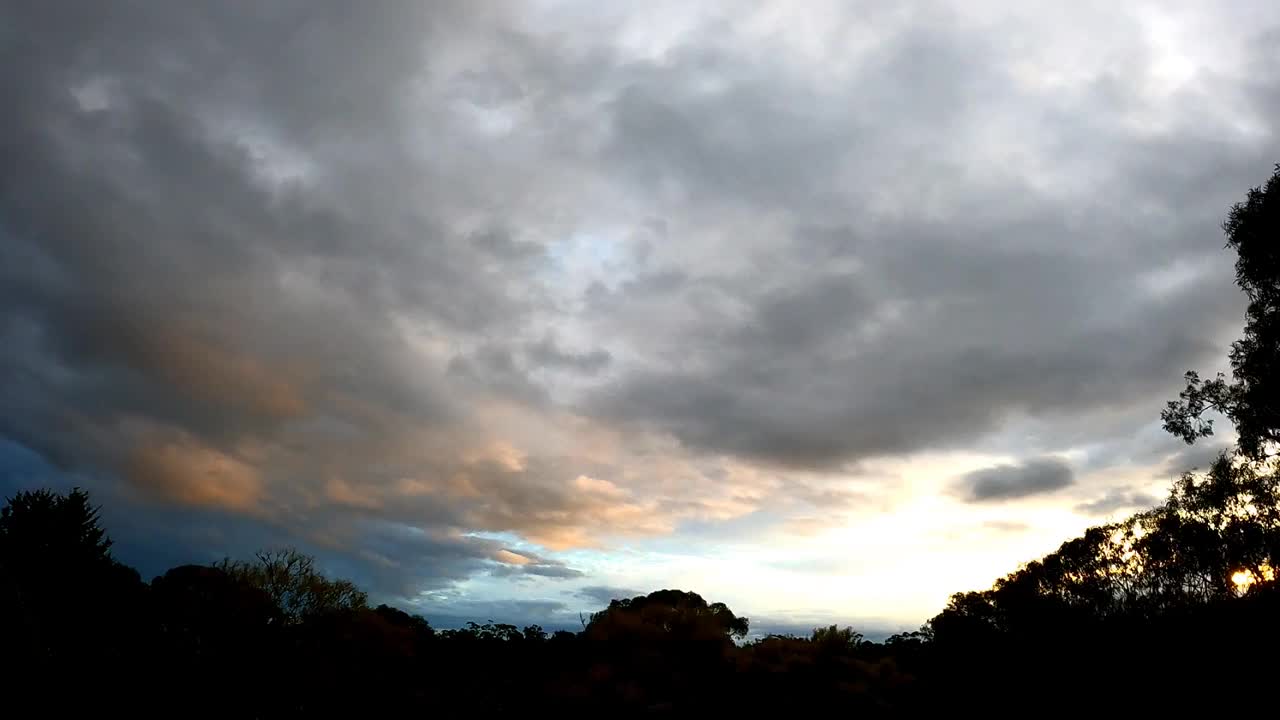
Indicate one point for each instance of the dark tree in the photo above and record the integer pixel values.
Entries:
(295, 585)
(65, 603)
(668, 613)
(1250, 398)
(416, 625)
(210, 629)
(1178, 591)
(41, 527)
(204, 611)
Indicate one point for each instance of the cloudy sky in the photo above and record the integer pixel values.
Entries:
(825, 310)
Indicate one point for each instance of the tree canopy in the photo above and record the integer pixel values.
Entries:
(668, 614)
(1250, 398)
(293, 584)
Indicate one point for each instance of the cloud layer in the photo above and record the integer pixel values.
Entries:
(448, 292)
(1006, 482)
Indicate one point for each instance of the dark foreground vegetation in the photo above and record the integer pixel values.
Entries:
(1173, 610)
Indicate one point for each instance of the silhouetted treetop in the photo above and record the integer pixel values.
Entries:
(46, 527)
(63, 598)
(668, 612)
(1250, 399)
(292, 582)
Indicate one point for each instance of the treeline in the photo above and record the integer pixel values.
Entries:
(1173, 610)
(1181, 596)
(273, 637)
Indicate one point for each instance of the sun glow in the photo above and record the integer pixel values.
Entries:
(1245, 579)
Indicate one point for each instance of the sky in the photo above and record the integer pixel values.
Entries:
(824, 310)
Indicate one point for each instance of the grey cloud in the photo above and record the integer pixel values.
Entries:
(602, 595)
(937, 323)
(1008, 482)
(512, 563)
(210, 241)
(1151, 446)
(398, 562)
(552, 570)
(548, 354)
(1006, 526)
(496, 369)
(449, 612)
(210, 258)
(953, 344)
(1195, 457)
(393, 561)
(1115, 500)
(501, 245)
(663, 129)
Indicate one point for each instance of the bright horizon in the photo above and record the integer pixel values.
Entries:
(503, 309)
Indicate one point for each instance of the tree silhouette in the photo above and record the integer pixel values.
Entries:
(205, 611)
(668, 613)
(41, 526)
(1250, 399)
(1199, 567)
(67, 608)
(294, 585)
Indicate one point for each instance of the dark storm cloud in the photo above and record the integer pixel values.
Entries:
(1008, 482)
(170, 272)
(207, 241)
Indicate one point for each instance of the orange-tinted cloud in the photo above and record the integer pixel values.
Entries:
(511, 558)
(215, 375)
(183, 471)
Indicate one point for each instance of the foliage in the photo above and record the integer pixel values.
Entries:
(1250, 399)
(42, 526)
(53, 549)
(1198, 568)
(292, 582)
(1133, 589)
(666, 614)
